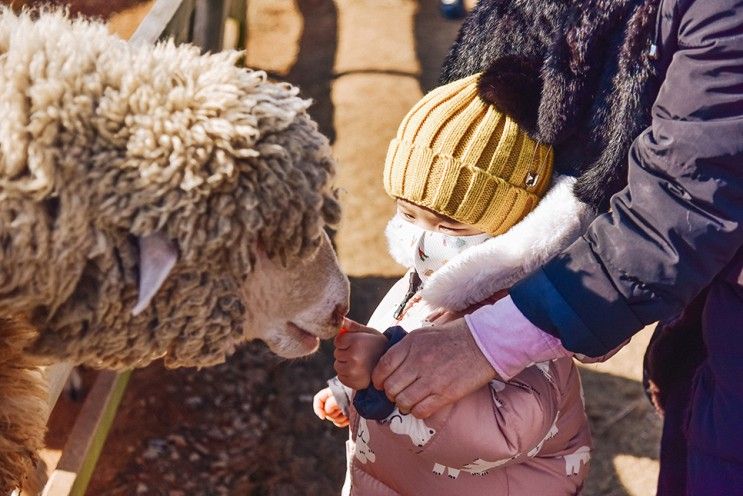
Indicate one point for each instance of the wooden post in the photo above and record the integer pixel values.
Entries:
(235, 25)
(56, 376)
(208, 28)
(75, 468)
(157, 20)
(239, 15)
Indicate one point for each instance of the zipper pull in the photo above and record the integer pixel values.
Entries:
(653, 52)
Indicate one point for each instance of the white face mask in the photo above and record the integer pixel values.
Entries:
(427, 251)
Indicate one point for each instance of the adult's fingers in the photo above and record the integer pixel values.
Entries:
(390, 361)
(400, 380)
(445, 317)
(412, 394)
(434, 316)
(428, 406)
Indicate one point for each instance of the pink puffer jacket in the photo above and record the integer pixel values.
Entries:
(525, 437)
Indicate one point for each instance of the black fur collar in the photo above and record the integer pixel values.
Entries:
(573, 73)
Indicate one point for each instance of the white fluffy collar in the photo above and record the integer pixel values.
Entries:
(481, 271)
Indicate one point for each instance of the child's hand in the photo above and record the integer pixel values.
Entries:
(357, 351)
(326, 408)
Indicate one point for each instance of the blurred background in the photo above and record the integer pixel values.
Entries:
(247, 427)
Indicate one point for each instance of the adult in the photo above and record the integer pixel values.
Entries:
(670, 241)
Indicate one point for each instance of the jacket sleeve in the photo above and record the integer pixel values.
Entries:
(678, 222)
(501, 424)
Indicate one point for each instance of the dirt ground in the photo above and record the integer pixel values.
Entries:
(246, 427)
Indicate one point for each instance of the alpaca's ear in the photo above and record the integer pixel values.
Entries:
(157, 256)
(513, 85)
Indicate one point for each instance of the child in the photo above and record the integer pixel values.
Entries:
(462, 174)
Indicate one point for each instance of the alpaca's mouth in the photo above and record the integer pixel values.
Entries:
(308, 340)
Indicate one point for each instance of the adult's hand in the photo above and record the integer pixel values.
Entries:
(442, 315)
(431, 368)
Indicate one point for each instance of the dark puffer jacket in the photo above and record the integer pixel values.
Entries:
(677, 224)
(675, 228)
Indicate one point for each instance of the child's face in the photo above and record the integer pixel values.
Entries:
(431, 221)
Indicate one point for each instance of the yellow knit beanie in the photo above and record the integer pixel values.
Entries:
(460, 157)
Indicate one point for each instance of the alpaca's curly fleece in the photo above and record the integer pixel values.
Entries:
(102, 142)
(23, 407)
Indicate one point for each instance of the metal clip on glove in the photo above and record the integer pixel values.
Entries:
(371, 403)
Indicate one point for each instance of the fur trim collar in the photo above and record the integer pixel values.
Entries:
(481, 271)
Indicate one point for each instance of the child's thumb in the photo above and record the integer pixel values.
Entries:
(353, 326)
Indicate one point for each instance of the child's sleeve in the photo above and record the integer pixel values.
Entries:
(500, 424)
(509, 341)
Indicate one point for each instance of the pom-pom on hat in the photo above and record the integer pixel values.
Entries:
(458, 155)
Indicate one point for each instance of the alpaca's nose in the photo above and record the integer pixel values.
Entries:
(338, 314)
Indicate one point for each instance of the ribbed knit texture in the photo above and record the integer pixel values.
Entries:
(459, 156)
